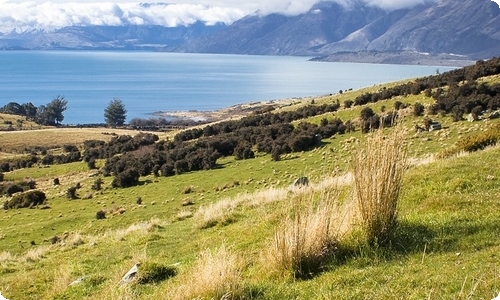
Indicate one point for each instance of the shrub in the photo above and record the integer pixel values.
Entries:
(378, 175)
(127, 178)
(27, 199)
(1, 176)
(154, 273)
(56, 181)
(97, 184)
(10, 188)
(100, 215)
(71, 193)
(418, 109)
(473, 143)
(348, 103)
(480, 141)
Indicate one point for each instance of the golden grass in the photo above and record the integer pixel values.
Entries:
(379, 167)
(17, 141)
(6, 257)
(308, 235)
(35, 254)
(215, 275)
(141, 228)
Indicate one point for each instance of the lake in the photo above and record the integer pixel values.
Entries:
(156, 81)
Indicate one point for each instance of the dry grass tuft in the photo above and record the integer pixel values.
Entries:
(308, 236)
(215, 275)
(36, 254)
(184, 214)
(142, 228)
(378, 175)
(6, 257)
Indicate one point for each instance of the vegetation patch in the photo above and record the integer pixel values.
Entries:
(28, 199)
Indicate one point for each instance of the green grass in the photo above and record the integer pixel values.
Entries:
(445, 246)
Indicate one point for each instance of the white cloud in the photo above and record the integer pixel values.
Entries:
(52, 14)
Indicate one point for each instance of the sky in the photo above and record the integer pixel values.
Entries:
(52, 14)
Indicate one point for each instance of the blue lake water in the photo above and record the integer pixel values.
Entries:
(153, 81)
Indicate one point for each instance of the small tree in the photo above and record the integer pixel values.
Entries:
(71, 193)
(418, 109)
(115, 114)
(56, 108)
(97, 184)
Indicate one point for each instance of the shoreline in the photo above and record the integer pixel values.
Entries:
(231, 112)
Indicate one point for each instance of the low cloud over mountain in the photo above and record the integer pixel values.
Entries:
(21, 16)
(468, 28)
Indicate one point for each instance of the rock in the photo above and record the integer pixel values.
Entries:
(130, 275)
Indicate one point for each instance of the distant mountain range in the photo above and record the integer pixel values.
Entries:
(468, 29)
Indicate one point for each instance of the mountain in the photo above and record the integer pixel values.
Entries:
(108, 37)
(470, 28)
(464, 28)
(287, 35)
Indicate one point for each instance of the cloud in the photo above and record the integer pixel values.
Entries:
(397, 4)
(22, 16)
(52, 15)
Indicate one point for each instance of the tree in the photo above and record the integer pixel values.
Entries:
(56, 108)
(115, 114)
(52, 113)
(30, 110)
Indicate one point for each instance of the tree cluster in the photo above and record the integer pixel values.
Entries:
(49, 114)
(463, 95)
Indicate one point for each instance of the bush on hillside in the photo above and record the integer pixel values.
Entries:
(155, 273)
(97, 184)
(27, 199)
(474, 143)
(418, 109)
(100, 215)
(71, 193)
(127, 178)
(10, 188)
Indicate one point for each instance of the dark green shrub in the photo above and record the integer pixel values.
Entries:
(127, 178)
(71, 193)
(100, 215)
(418, 109)
(398, 105)
(97, 184)
(154, 273)
(10, 188)
(1, 176)
(27, 199)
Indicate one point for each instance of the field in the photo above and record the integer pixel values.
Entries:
(211, 234)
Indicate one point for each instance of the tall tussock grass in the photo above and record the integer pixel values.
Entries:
(378, 168)
(308, 235)
(215, 275)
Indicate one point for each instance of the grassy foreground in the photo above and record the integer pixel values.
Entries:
(213, 234)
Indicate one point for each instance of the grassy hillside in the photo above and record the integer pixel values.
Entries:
(211, 234)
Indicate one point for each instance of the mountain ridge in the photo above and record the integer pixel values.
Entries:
(469, 28)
